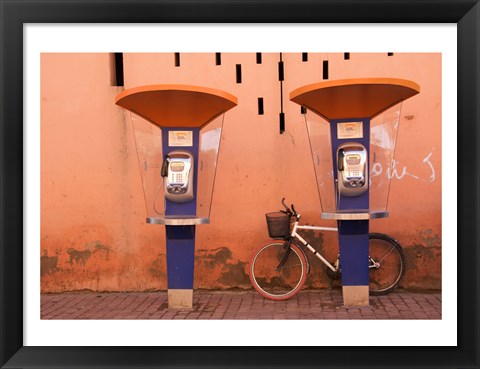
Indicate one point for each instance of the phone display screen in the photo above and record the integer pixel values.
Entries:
(353, 159)
(177, 166)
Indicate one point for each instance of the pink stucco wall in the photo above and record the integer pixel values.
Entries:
(93, 231)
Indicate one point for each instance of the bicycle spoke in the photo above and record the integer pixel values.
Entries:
(388, 268)
(384, 256)
(276, 280)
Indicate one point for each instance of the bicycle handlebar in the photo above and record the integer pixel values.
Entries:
(289, 211)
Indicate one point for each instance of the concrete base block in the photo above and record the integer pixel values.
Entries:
(355, 295)
(180, 299)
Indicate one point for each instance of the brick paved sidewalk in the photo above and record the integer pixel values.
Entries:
(308, 304)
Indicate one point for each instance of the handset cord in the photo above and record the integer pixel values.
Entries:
(155, 200)
(337, 195)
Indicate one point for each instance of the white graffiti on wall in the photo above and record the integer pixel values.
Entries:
(398, 172)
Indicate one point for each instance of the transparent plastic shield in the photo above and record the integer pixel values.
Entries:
(209, 146)
(383, 139)
(148, 142)
(321, 149)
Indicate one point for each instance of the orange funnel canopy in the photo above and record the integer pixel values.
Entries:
(354, 98)
(176, 105)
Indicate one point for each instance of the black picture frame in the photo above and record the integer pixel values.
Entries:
(16, 13)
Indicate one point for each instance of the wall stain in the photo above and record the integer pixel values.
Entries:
(234, 275)
(318, 271)
(214, 257)
(157, 268)
(423, 261)
(429, 238)
(79, 257)
(222, 267)
(315, 238)
(48, 264)
(98, 247)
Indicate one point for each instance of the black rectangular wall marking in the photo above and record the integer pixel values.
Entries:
(346, 56)
(280, 78)
(218, 58)
(238, 70)
(325, 69)
(390, 54)
(280, 71)
(119, 78)
(304, 57)
(260, 106)
(282, 122)
(177, 59)
(259, 58)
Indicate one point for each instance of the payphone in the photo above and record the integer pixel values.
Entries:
(177, 172)
(175, 127)
(352, 169)
(346, 111)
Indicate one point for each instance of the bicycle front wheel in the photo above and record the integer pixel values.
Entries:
(277, 272)
(386, 263)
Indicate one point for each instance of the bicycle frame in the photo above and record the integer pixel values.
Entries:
(294, 235)
(272, 284)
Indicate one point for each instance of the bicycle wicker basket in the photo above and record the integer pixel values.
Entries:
(278, 224)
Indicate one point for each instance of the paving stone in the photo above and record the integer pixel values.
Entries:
(229, 305)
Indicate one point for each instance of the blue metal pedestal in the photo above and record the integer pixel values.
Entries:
(180, 265)
(353, 240)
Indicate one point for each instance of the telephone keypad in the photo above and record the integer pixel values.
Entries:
(176, 178)
(354, 171)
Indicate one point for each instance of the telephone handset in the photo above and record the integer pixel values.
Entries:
(352, 171)
(177, 170)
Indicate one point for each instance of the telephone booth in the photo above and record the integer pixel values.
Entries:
(352, 127)
(177, 131)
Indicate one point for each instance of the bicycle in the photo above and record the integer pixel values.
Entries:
(278, 270)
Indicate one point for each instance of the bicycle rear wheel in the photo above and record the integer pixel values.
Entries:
(271, 278)
(386, 263)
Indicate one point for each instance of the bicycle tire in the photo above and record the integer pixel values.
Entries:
(278, 284)
(388, 253)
